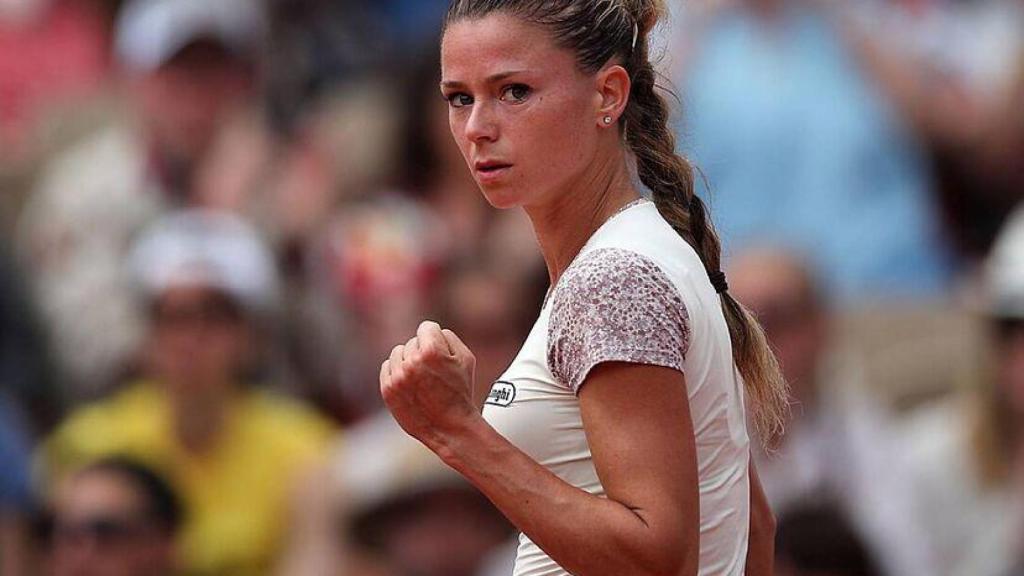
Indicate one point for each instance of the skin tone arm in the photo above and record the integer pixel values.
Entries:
(312, 543)
(642, 444)
(761, 546)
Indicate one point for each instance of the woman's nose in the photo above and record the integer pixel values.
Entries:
(482, 124)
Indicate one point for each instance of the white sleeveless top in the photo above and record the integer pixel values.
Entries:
(637, 292)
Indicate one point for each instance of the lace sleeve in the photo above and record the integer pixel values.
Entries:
(615, 305)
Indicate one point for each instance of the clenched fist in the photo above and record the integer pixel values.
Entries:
(427, 384)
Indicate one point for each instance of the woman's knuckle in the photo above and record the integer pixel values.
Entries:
(398, 377)
(429, 353)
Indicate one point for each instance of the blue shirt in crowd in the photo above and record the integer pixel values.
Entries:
(802, 150)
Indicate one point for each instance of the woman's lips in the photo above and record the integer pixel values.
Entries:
(491, 171)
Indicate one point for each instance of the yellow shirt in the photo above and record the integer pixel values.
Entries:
(235, 494)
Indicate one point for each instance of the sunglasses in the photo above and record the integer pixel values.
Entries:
(104, 531)
(208, 311)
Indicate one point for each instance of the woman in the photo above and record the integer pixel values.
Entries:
(588, 443)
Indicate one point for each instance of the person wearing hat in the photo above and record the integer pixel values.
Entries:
(403, 512)
(233, 451)
(187, 78)
(967, 455)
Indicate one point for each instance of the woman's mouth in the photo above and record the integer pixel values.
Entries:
(491, 170)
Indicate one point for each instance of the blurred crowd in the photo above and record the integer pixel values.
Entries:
(218, 216)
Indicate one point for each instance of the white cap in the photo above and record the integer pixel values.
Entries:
(1005, 269)
(150, 32)
(209, 249)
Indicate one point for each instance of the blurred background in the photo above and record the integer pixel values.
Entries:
(217, 217)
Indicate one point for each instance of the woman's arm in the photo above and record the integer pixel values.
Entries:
(639, 429)
(761, 545)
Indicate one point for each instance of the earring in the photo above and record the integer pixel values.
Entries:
(607, 120)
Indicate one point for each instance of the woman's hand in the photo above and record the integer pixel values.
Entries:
(427, 384)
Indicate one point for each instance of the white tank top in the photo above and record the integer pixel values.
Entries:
(637, 292)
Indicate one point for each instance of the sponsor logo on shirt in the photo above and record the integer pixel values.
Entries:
(502, 394)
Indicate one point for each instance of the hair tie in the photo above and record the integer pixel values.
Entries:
(718, 282)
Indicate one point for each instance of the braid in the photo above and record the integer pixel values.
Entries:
(670, 178)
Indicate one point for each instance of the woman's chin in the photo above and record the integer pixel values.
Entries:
(502, 197)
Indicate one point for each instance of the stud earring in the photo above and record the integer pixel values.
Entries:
(607, 120)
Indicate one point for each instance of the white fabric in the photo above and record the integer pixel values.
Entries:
(972, 529)
(541, 415)
(841, 450)
(72, 237)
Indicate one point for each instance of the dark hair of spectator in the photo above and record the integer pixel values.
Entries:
(163, 506)
(817, 539)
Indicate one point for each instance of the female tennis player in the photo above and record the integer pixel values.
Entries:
(616, 441)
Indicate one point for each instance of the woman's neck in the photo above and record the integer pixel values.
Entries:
(567, 221)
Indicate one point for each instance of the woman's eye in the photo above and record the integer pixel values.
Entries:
(515, 93)
(458, 100)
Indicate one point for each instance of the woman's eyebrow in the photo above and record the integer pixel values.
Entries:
(455, 84)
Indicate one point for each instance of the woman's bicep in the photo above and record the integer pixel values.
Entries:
(638, 425)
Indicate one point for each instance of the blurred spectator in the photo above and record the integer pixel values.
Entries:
(967, 454)
(340, 149)
(27, 405)
(115, 518)
(817, 541)
(189, 66)
(52, 52)
(316, 46)
(799, 147)
(234, 451)
(372, 274)
(410, 510)
(26, 374)
(404, 513)
(839, 446)
(950, 67)
(415, 23)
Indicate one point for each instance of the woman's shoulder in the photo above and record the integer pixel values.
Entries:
(639, 229)
(615, 304)
(612, 270)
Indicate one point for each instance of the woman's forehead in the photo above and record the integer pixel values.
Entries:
(478, 49)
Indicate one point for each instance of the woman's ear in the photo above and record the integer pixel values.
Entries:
(613, 85)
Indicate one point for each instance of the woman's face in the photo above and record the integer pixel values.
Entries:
(522, 113)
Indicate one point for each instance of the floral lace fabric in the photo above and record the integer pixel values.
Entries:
(615, 305)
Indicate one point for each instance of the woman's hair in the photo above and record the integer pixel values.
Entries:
(597, 32)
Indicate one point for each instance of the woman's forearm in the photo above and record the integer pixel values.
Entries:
(583, 533)
(761, 543)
